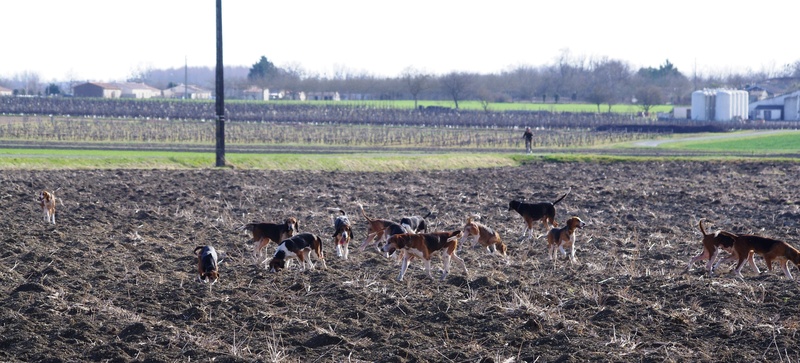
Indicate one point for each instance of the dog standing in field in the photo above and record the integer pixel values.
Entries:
(416, 224)
(300, 247)
(263, 233)
(532, 212)
(483, 235)
(342, 234)
(771, 249)
(47, 202)
(207, 268)
(558, 238)
(379, 230)
(422, 246)
(713, 244)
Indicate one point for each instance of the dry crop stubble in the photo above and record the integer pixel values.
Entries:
(626, 297)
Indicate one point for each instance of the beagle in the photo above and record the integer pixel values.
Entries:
(771, 249)
(482, 235)
(712, 245)
(416, 224)
(342, 232)
(423, 246)
(532, 212)
(207, 268)
(47, 201)
(558, 238)
(263, 233)
(379, 230)
(300, 247)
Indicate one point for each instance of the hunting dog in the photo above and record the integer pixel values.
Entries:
(300, 247)
(422, 246)
(207, 268)
(558, 238)
(771, 249)
(532, 212)
(379, 230)
(483, 235)
(47, 201)
(343, 232)
(263, 233)
(416, 224)
(713, 244)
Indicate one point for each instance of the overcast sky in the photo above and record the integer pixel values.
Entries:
(104, 40)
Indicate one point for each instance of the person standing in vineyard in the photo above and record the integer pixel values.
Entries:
(528, 135)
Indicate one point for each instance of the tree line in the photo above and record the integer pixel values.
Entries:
(601, 81)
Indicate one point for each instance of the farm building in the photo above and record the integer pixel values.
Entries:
(188, 91)
(785, 107)
(96, 89)
(138, 90)
(5, 92)
(719, 105)
(255, 93)
(323, 96)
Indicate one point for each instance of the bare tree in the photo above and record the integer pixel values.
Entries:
(648, 96)
(455, 84)
(416, 81)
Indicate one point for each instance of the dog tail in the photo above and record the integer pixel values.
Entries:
(364, 213)
(562, 197)
(197, 249)
(335, 210)
(430, 212)
(702, 230)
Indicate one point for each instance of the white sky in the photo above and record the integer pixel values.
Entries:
(106, 40)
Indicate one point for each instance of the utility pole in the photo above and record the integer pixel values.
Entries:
(220, 92)
(185, 77)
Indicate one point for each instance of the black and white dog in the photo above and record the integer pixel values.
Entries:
(342, 234)
(300, 247)
(416, 224)
(207, 268)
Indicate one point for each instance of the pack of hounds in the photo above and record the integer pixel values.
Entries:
(409, 239)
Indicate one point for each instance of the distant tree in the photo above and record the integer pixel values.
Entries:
(598, 95)
(263, 72)
(649, 96)
(455, 84)
(556, 97)
(172, 84)
(52, 90)
(416, 81)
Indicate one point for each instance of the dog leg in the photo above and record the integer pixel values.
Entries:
(710, 265)
(428, 267)
(461, 261)
(785, 268)
(753, 263)
(403, 267)
(346, 250)
(572, 253)
(445, 264)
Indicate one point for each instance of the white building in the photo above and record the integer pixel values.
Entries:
(719, 105)
(785, 107)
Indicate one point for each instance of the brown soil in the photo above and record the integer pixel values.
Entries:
(115, 279)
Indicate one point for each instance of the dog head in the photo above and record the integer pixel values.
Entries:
(45, 197)
(277, 264)
(207, 267)
(513, 205)
(574, 223)
(292, 226)
(396, 242)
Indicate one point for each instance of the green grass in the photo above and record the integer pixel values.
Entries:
(476, 105)
(783, 142)
(94, 159)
